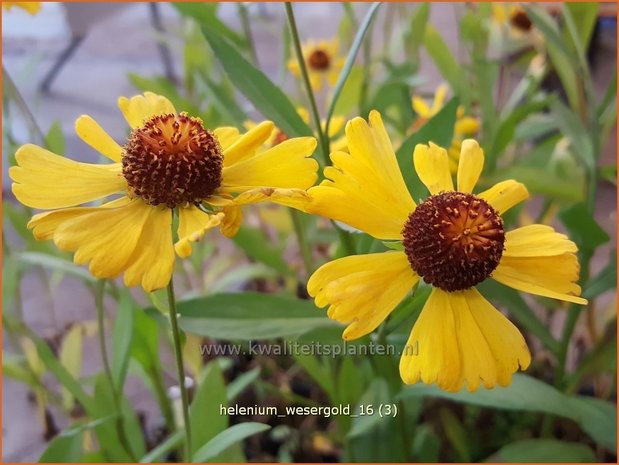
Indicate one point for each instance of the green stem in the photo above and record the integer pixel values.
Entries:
(245, 24)
(120, 424)
(23, 106)
(178, 352)
(322, 136)
(304, 246)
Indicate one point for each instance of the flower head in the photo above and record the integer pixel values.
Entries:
(452, 240)
(170, 162)
(31, 7)
(322, 60)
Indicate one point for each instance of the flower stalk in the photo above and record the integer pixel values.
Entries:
(323, 137)
(178, 352)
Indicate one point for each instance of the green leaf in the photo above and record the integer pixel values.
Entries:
(585, 16)
(376, 439)
(60, 372)
(242, 382)
(455, 434)
(604, 281)
(227, 438)
(439, 129)
(256, 86)
(164, 447)
(543, 182)
(321, 370)
(54, 139)
(560, 55)
(70, 357)
(249, 316)
(63, 449)
(257, 246)
(582, 227)
(572, 128)
(393, 245)
(122, 335)
(413, 37)
(128, 425)
(446, 63)
(543, 451)
(55, 263)
(597, 418)
(205, 416)
(206, 15)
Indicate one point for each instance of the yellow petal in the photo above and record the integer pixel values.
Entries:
(95, 136)
(548, 276)
(439, 98)
(315, 80)
(365, 188)
(287, 165)
(152, 262)
(361, 290)
(140, 108)
(245, 146)
(432, 353)
(31, 7)
(226, 136)
(421, 108)
(45, 180)
(44, 225)
(336, 125)
(332, 76)
(505, 194)
(432, 166)
(106, 238)
(506, 344)
(460, 338)
(296, 198)
(466, 126)
(470, 165)
(231, 222)
(537, 240)
(192, 226)
(293, 66)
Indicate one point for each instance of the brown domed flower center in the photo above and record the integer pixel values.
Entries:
(172, 160)
(521, 21)
(319, 60)
(454, 240)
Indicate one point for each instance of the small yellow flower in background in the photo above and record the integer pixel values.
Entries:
(512, 15)
(466, 126)
(335, 128)
(170, 162)
(31, 7)
(322, 60)
(453, 240)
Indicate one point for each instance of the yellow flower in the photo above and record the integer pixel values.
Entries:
(512, 15)
(169, 162)
(466, 126)
(453, 240)
(322, 61)
(31, 7)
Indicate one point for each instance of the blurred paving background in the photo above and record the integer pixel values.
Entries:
(120, 39)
